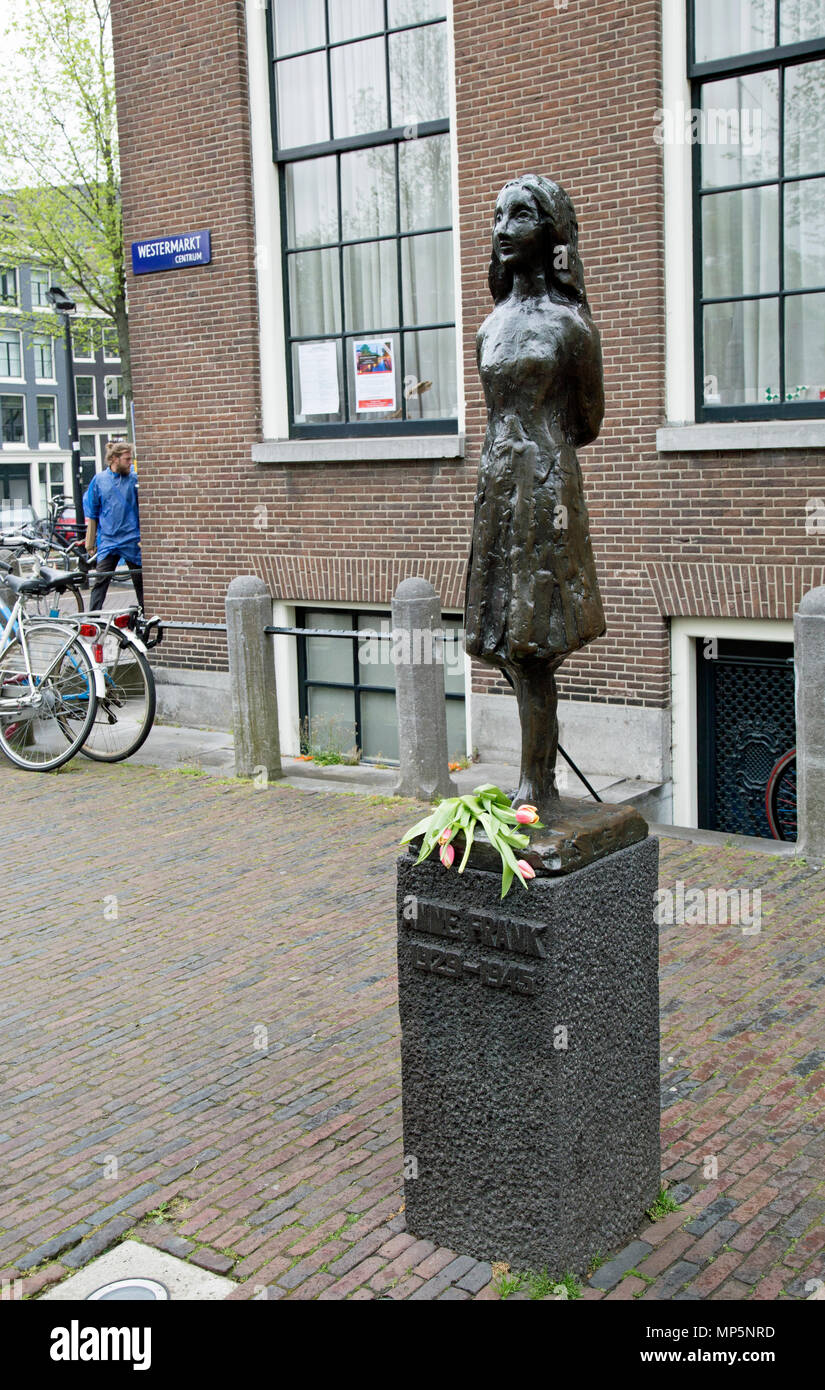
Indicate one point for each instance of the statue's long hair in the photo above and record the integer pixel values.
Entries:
(563, 272)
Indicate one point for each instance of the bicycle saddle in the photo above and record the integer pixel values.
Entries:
(60, 579)
(24, 584)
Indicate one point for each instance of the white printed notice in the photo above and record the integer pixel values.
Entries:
(374, 374)
(318, 373)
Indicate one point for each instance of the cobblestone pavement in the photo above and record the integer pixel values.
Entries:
(200, 1047)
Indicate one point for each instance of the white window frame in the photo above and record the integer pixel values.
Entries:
(268, 263)
(15, 307)
(96, 452)
(86, 376)
(93, 358)
(286, 667)
(22, 376)
(33, 272)
(109, 328)
(53, 443)
(111, 414)
(24, 442)
(682, 433)
(37, 342)
(685, 737)
(65, 484)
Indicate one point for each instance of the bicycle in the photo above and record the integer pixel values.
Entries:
(780, 798)
(49, 686)
(128, 702)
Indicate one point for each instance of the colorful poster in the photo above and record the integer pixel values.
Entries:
(374, 374)
(318, 375)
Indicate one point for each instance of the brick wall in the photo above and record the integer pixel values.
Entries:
(566, 92)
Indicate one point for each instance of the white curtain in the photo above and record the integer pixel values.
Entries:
(728, 27)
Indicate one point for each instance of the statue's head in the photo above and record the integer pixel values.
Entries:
(535, 225)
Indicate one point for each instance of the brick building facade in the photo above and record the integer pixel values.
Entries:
(700, 523)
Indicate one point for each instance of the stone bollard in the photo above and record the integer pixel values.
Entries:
(809, 655)
(252, 677)
(419, 681)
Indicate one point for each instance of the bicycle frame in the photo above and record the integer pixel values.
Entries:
(14, 626)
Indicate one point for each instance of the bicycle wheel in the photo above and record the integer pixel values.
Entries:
(126, 713)
(54, 709)
(780, 798)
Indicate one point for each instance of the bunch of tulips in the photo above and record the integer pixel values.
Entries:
(486, 806)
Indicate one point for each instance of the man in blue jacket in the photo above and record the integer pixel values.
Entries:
(111, 507)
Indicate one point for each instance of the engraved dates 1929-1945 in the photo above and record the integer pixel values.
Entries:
(475, 929)
(496, 974)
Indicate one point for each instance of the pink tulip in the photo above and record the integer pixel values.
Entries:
(446, 835)
(447, 855)
(527, 815)
(527, 871)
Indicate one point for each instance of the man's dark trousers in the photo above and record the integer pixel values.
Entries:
(105, 569)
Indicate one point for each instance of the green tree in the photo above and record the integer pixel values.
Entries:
(59, 165)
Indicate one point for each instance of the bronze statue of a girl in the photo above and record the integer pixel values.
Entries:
(532, 595)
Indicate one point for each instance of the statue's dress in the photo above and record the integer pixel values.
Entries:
(531, 582)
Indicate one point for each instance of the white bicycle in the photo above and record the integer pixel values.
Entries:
(49, 684)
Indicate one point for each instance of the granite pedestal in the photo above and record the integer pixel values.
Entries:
(530, 1058)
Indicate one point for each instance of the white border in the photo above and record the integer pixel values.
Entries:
(271, 316)
(685, 745)
(678, 193)
(268, 257)
(54, 444)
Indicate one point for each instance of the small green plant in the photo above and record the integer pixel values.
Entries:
(595, 1263)
(487, 807)
(510, 1283)
(663, 1205)
(327, 742)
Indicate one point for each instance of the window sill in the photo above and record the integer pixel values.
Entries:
(360, 450)
(741, 435)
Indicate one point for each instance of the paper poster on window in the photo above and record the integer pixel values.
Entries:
(374, 374)
(318, 376)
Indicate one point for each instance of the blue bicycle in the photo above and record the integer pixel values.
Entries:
(49, 684)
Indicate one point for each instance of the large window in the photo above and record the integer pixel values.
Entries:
(758, 72)
(360, 103)
(46, 420)
(43, 346)
(86, 396)
(13, 419)
(40, 281)
(89, 458)
(115, 402)
(50, 483)
(111, 346)
(11, 356)
(8, 287)
(347, 685)
(84, 342)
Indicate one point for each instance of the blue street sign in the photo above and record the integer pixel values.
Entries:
(171, 252)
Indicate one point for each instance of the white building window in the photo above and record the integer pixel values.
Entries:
(115, 402)
(40, 281)
(9, 294)
(361, 99)
(11, 355)
(43, 346)
(13, 419)
(86, 396)
(46, 420)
